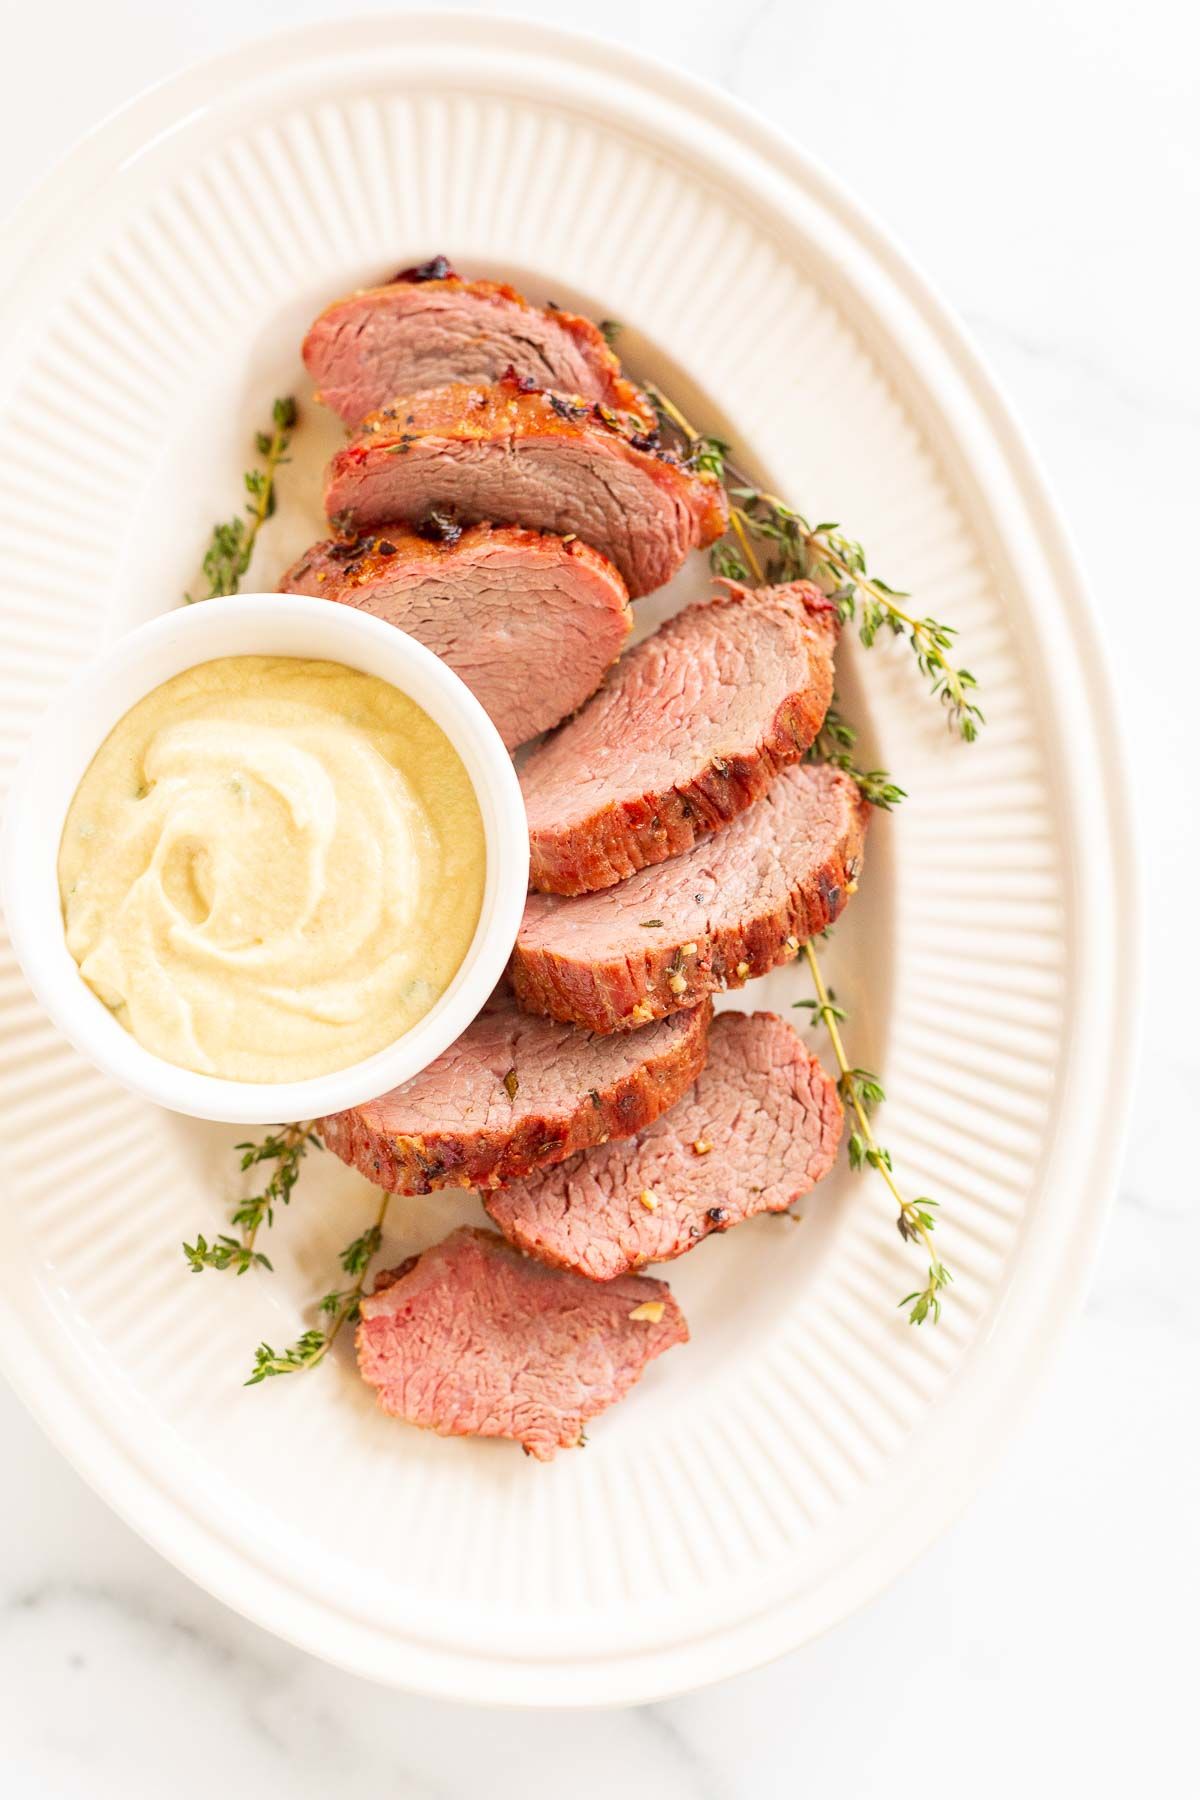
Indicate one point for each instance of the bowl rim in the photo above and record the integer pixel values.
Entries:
(71, 731)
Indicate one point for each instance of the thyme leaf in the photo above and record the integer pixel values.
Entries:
(286, 1148)
(225, 1252)
(232, 542)
(835, 742)
(341, 1306)
(861, 1093)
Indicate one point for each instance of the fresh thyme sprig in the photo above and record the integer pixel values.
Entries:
(337, 1308)
(837, 737)
(740, 561)
(834, 744)
(232, 543)
(862, 1092)
(838, 564)
(225, 1252)
(287, 1149)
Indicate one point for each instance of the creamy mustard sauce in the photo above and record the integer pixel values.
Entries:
(272, 868)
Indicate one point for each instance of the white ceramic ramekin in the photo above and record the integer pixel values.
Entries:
(76, 726)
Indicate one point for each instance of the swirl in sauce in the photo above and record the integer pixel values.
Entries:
(272, 868)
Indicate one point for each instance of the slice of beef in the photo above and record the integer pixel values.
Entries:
(689, 729)
(514, 1093)
(472, 1339)
(735, 905)
(536, 459)
(415, 334)
(529, 621)
(758, 1130)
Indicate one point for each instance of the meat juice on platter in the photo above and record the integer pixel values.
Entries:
(696, 820)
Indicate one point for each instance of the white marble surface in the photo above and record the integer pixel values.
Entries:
(1041, 159)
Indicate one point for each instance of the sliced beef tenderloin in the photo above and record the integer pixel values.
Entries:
(529, 621)
(515, 1093)
(689, 729)
(528, 458)
(472, 1339)
(424, 331)
(757, 1131)
(732, 907)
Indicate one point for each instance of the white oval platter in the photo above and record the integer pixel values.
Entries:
(808, 1443)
